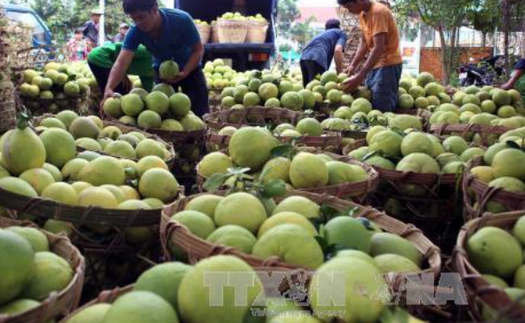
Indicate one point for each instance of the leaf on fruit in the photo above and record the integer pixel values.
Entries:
(285, 150)
(513, 145)
(274, 188)
(215, 182)
(328, 212)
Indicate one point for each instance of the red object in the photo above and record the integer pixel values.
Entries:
(321, 14)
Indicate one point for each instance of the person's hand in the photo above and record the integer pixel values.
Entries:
(350, 70)
(181, 76)
(107, 94)
(127, 85)
(352, 84)
(507, 86)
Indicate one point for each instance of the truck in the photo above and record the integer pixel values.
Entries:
(42, 37)
(243, 56)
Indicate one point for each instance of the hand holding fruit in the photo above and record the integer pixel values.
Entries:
(179, 77)
(352, 83)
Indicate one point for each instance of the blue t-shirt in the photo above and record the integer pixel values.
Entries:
(321, 48)
(178, 35)
(520, 65)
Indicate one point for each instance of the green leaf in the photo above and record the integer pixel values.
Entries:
(215, 182)
(370, 154)
(23, 118)
(285, 150)
(512, 144)
(274, 188)
(394, 315)
(366, 223)
(329, 212)
(318, 223)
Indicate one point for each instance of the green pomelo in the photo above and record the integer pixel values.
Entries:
(310, 127)
(141, 307)
(508, 162)
(205, 203)
(132, 104)
(494, 251)
(22, 150)
(286, 218)
(180, 104)
(340, 172)
(196, 304)
(61, 193)
(251, 147)
(307, 170)
(150, 147)
(348, 233)
(388, 243)
(113, 108)
(416, 142)
(470, 153)
(164, 88)
(120, 148)
(18, 306)
(157, 102)
(149, 162)
(103, 170)
(233, 236)
(158, 183)
(365, 291)
(214, 163)
(388, 142)
(171, 125)
(455, 144)
(232, 210)
(72, 169)
(51, 274)
(149, 119)
(17, 186)
(96, 196)
(163, 280)
(493, 280)
(52, 123)
(392, 263)
(299, 204)
(84, 127)
(88, 144)
(92, 314)
(292, 244)
(38, 178)
(276, 168)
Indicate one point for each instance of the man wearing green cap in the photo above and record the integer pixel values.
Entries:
(102, 59)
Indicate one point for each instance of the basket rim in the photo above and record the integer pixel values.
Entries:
(476, 284)
(427, 249)
(50, 308)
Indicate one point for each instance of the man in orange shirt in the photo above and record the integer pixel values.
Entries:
(380, 38)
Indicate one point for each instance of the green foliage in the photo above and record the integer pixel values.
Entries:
(303, 32)
(287, 12)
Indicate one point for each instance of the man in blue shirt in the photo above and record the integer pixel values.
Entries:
(318, 54)
(168, 34)
(519, 70)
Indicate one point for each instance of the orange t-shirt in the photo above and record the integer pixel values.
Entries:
(379, 19)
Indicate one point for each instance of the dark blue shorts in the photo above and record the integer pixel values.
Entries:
(520, 65)
(384, 84)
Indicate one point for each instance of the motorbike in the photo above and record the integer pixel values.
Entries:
(486, 72)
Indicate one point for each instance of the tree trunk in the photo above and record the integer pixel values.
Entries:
(506, 30)
(484, 40)
(443, 42)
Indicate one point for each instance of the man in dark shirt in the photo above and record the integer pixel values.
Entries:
(318, 54)
(90, 28)
(519, 70)
(168, 34)
(123, 29)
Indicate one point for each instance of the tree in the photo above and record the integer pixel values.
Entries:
(57, 15)
(287, 13)
(446, 17)
(303, 32)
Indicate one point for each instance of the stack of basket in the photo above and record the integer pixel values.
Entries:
(7, 95)
(20, 37)
(232, 31)
(257, 31)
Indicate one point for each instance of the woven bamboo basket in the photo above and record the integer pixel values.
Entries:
(256, 116)
(488, 134)
(214, 37)
(257, 32)
(58, 304)
(197, 249)
(125, 129)
(479, 291)
(358, 192)
(204, 32)
(230, 31)
(478, 194)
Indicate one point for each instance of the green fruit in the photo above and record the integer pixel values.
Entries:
(356, 254)
(61, 193)
(416, 142)
(22, 150)
(494, 251)
(140, 307)
(299, 204)
(52, 123)
(150, 147)
(180, 104)
(389, 142)
(18, 306)
(251, 147)
(286, 218)
(168, 70)
(392, 263)
(97, 196)
(507, 163)
(164, 88)
(38, 178)
(388, 243)
(404, 122)
(470, 153)
(361, 105)
(493, 280)
(214, 163)
(268, 91)
(276, 168)
(157, 102)
(171, 125)
(251, 99)
(158, 183)
(292, 100)
(17, 186)
(149, 119)
(519, 277)
(519, 230)
(417, 92)
(233, 236)
(16, 266)
(340, 173)
(103, 170)
(92, 314)
(120, 148)
(492, 151)
(425, 78)
(348, 233)
(365, 291)
(84, 127)
(72, 169)
(149, 162)
(455, 145)
(310, 127)
(113, 108)
(405, 101)
(292, 244)
(205, 203)
(307, 170)
(132, 104)
(232, 210)
(88, 144)
(501, 97)
(51, 274)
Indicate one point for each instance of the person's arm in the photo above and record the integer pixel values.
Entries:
(516, 75)
(362, 49)
(373, 59)
(338, 58)
(118, 71)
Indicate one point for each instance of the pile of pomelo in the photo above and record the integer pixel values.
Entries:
(218, 75)
(162, 109)
(57, 83)
(47, 166)
(31, 272)
(90, 134)
(251, 147)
